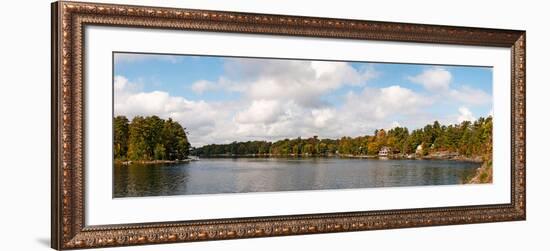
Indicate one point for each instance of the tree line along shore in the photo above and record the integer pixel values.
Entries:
(464, 141)
(154, 140)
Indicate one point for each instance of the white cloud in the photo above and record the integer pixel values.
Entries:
(198, 116)
(433, 79)
(468, 95)
(375, 108)
(283, 99)
(300, 81)
(394, 124)
(360, 114)
(464, 115)
(271, 119)
(120, 83)
(381, 103)
(321, 117)
(335, 74)
(261, 111)
(202, 86)
(438, 81)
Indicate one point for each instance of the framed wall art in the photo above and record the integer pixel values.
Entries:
(177, 125)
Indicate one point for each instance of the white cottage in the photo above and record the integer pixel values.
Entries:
(419, 149)
(385, 151)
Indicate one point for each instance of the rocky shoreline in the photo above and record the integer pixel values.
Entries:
(484, 174)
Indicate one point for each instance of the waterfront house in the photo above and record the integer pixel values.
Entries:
(419, 150)
(385, 151)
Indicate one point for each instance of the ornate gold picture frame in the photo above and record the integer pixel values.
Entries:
(69, 230)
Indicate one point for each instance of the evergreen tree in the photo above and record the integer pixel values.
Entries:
(120, 137)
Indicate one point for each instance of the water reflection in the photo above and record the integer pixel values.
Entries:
(240, 175)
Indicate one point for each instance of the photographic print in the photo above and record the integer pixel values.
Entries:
(191, 124)
(160, 135)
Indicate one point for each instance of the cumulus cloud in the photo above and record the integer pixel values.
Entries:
(375, 108)
(273, 118)
(433, 79)
(131, 101)
(438, 80)
(378, 103)
(261, 111)
(468, 95)
(202, 86)
(464, 115)
(322, 117)
(120, 84)
(303, 82)
(280, 99)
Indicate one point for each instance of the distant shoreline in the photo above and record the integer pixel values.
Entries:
(476, 159)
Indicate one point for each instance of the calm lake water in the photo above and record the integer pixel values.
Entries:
(242, 175)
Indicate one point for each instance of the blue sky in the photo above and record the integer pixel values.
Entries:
(252, 98)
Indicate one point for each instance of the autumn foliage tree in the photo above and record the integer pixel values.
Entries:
(467, 139)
